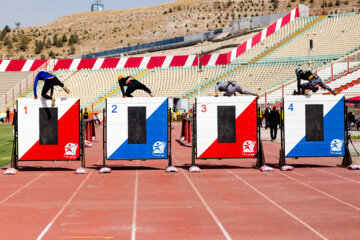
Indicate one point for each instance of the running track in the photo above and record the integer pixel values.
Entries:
(138, 200)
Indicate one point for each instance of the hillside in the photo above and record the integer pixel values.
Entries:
(88, 32)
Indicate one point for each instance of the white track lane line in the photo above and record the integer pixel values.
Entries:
(299, 174)
(277, 205)
(133, 228)
(217, 221)
(5, 144)
(22, 188)
(318, 190)
(46, 229)
(348, 179)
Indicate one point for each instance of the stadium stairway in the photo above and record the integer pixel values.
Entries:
(344, 82)
(323, 65)
(116, 89)
(257, 58)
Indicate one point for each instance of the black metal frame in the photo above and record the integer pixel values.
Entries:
(169, 157)
(346, 157)
(347, 160)
(260, 150)
(15, 152)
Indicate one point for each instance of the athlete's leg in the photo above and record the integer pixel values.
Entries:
(59, 83)
(129, 90)
(141, 86)
(46, 88)
(327, 88)
(298, 83)
(230, 90)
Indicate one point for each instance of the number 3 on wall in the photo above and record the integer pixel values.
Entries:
(203, 108)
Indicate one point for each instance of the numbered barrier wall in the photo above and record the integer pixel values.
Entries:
(314, 126)
(46, 133)
(137, 128)
(226, 127)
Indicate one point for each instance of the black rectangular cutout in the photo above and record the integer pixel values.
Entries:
(137, 125)
(48, 129)
(314, 122)
(226, 124)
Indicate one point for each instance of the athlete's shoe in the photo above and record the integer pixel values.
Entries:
(152, 94)
(66, 90)
(53, 102)
(315, 89)
(295, 93)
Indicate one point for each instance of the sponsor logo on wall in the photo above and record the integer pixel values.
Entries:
(336, 146)
(249, 148)
(158, 149)
(70, 150)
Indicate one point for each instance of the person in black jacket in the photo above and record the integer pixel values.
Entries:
(274, 121)
(314, 82)
(267, 115)
(7, 115)
(132, 84)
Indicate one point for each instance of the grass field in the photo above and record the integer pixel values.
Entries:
(6, 140)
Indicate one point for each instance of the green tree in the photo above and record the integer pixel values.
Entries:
(51, 54)
(9, 45)
(48, 44)
(64, 38)
(59, 43)
(2, 35)
(39, 46)
(72, 50)
(71, 40)
(7, 29)
(24, 41)
(55, 40)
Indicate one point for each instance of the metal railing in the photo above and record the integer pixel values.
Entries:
(8, 99)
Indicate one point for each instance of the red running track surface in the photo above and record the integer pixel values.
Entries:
(138, 200)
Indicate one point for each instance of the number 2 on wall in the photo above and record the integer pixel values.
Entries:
(203, 108)
(114, 108)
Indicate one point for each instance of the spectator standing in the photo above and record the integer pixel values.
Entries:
(8, 115)
(96, 119)
(267, 115)
(86, 114)
(274, 121)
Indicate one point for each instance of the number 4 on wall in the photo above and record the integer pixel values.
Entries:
(291, 107)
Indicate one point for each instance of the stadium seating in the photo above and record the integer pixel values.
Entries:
(8, 81)
(335, 34)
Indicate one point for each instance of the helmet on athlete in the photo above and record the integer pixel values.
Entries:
(120, 77)
(298, 70)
